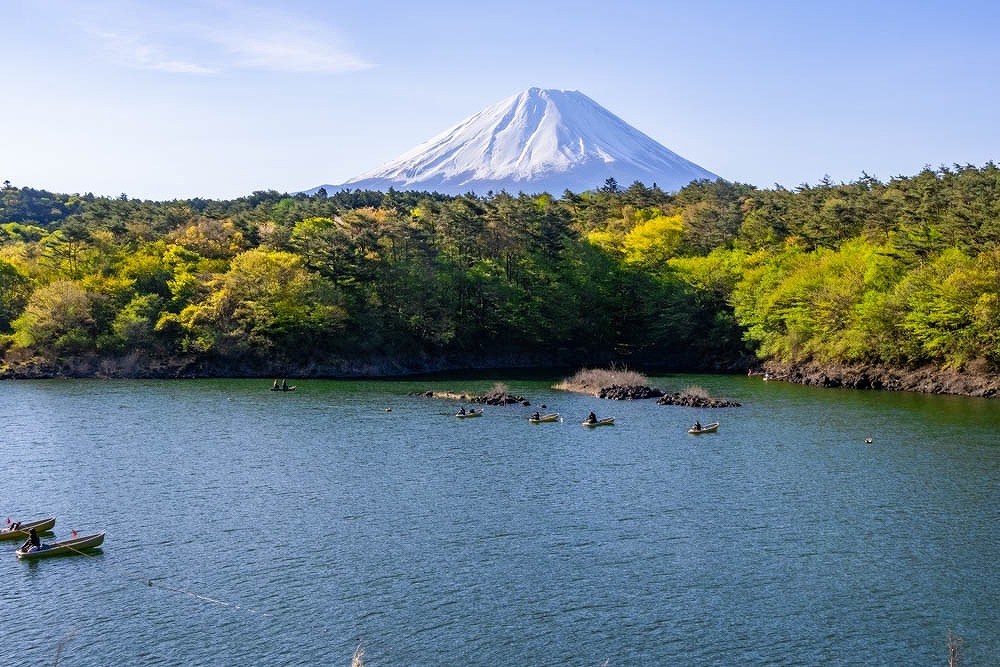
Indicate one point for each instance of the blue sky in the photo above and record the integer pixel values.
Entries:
(218, 98)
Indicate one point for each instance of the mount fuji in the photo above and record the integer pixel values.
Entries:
(536, 141)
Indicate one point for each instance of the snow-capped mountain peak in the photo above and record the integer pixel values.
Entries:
(538, 140)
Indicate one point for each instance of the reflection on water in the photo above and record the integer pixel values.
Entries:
(251, 527)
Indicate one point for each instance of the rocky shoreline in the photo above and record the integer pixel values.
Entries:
(491, 398)
(617, 392)
(695, 401)
(977, 380)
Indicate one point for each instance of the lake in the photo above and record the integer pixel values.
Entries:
(246, 526)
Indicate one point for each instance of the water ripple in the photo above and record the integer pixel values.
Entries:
(247, 528)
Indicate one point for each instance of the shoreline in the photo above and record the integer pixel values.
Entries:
(972, 382)
(976, 381)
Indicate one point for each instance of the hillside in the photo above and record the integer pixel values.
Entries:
(866, 284)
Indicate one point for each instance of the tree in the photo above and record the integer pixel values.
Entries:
(15, 288)
(64, 249)
(57, 320)
(267, 303)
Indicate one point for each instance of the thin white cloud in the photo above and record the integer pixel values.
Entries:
(288, 53)
(276, 40)
(191, 41)
(139, 53)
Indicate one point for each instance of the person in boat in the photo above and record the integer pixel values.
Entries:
(284, 385)
(14, 526)
(536, 415)
(275, 387)
(697, 425)
(461, 410)
(32, 541)
(592, 418)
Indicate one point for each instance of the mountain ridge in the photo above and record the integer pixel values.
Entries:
(534, 141)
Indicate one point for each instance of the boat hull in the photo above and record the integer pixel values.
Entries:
(545, 419)
(66, 547)
(708, 428)
(468, 415)
(40, 526)
(607, 421)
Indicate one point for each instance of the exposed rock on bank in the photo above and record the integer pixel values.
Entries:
(695, 400)
(499, 395)
(976, 379)
(617, 392)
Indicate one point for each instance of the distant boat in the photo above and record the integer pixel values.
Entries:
(707, 428)
(21, 532)
(470, 413)
(607, 421)
(551, 417)
(76, 545)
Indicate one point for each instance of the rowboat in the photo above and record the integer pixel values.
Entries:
(707, 428)
(21, 532)
(73, 546)
(607, 421)
(551, 417)
(470, 413)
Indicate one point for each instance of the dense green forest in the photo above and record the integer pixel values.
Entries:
(900, 273)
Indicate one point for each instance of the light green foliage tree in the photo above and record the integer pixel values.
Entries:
(58, 320)
(817, 305)
(267, 303)
(210, 237)
(654, 241)
(952, 308)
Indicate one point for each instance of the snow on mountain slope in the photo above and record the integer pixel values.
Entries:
(538, 140)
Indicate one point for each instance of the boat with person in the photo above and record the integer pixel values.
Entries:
(464, 414)
(607, 421)
(18, 530)
(707, 428)
(76, 545)
(544, 419)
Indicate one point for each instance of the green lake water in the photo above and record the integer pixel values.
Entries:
(246, 526)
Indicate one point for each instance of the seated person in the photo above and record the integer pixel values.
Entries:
(32, 541)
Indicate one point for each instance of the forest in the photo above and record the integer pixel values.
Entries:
(718, 276)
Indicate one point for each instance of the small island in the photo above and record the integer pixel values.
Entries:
(695, 397)
(627, 385)
(498, 395)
